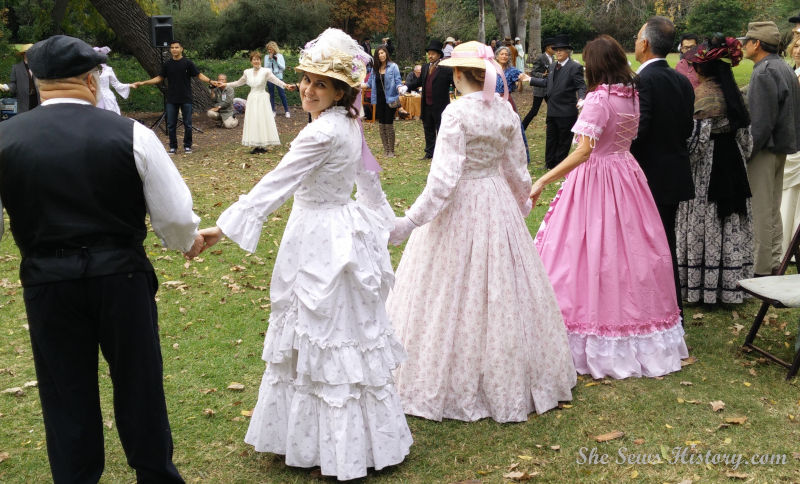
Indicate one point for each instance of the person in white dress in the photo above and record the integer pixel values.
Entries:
(327, 397)
(790, 201)
(259, 129)
(472, 303)
(108, 79)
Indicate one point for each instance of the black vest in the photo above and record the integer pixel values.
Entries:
(69, 183)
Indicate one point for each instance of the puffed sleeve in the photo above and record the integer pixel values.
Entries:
(515, 169)
(594, 116)
(122, 88)
(243, 220)
(446, 168)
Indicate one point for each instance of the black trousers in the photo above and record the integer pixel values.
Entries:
(559, 139)
(668, 213)
(431, 120)
(537, 103)
(68, 321)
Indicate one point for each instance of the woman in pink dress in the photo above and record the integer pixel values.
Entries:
(602, 241)
(471, 302)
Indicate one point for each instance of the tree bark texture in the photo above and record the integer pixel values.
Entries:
(57, 15)
(132, 26)
(535, 39)
(501, 15)
(481, 21)
(410, 29)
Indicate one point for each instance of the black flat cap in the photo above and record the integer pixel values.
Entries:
(62, 56)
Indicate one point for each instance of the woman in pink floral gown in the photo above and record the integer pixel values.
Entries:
(472, 303)
(602, 241)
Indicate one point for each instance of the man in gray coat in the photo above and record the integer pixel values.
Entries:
(773, 98)
(223, 104)
(22, 85)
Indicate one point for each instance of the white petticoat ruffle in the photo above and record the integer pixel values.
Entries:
(654, 354)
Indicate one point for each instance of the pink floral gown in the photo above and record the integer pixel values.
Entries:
(471, 302)
(605, 250)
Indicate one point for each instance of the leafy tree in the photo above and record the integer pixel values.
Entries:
(574, 23)
(709, 16)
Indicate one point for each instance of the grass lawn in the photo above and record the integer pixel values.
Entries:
(213, 315)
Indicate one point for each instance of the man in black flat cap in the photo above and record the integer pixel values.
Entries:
(565, 86)
(436, 83)
(540, 69)
(77, 183)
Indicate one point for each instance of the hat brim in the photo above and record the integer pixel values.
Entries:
(794, 20)
(464, 62)
(562, 46)
(334, 75)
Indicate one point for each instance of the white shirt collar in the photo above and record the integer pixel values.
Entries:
(565, 62)
(65, 100)
(647, 63)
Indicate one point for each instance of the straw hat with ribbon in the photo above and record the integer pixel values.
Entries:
(335, 54)
(479, 56)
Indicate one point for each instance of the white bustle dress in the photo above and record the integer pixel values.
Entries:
(107, 100)
(259, 128)
(327, 397)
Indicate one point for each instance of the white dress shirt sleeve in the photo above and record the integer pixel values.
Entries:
(168, 199)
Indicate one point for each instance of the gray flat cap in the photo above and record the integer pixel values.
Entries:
(62, 56)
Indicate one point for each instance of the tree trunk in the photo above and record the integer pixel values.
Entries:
(57, 15)
(535, 39)
(409, 27)
(132, 26)
(501, 15)
(521, 20)
(481, 21)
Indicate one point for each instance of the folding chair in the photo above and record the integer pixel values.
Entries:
(780, 291)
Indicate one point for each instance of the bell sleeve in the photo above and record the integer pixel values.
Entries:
(123, 89)
(446, 168)
(241, 82)
(242, 221)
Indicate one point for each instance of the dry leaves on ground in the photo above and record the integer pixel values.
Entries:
(520, 476)
(236, 386)
(4, 456)
(736, 420)
(616, 434)
(689, 361)
(16, 391)
(717, 405)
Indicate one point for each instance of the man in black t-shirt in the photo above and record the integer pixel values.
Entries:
(178, 72)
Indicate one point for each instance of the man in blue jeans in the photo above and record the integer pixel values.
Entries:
(178, 71)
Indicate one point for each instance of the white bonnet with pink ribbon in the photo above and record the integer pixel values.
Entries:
(480, 56)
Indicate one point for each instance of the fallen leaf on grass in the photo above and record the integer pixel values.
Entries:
(591, 384)
(247, 413)
(796, 455)
(616, 434)
(736, 420)
(686, 383)
(728, 440)
(747, 383)
(668, 426)
(634, 474)
(236, 386)
(524, 457)
(519, 476)
(16, 391)
(555, 447)
(638, 441)
(206, 391)
(512, 466)
(468, 481)
(689, 361)
(736, 475)
(30, 384)
(698, 316)
(752, 372)
(209, 412)
(4, 456)
(734, 315)
(692, 443)
(109, 424)
(717, 405)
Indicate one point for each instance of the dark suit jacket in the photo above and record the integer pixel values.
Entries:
(19, 86)
(441, 87)
(540, 67)
(563, 89)
(666, 105)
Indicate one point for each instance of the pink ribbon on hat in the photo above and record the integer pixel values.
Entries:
(367, 158)
(492, 70)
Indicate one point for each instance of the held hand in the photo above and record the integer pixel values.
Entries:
(524, 77)
(212, 235)
(536, 191)
(403, 226)
(197, 247)
(291, 87)
(133, 85)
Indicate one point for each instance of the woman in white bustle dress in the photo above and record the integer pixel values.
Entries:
(108, 79)
(327, 397)
(472, 303)
(259, 129)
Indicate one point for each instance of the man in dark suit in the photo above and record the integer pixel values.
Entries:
(436, 83)
(540, 69)
(22, 85)
(564, 87)
(666, 106)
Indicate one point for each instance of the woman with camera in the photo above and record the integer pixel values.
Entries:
(276, 64)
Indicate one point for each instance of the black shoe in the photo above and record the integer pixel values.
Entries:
(187, 150)
(255, 151)
(172, 151)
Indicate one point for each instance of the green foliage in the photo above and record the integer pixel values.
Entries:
(245, 24)
(727, 16)
(577, 25)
